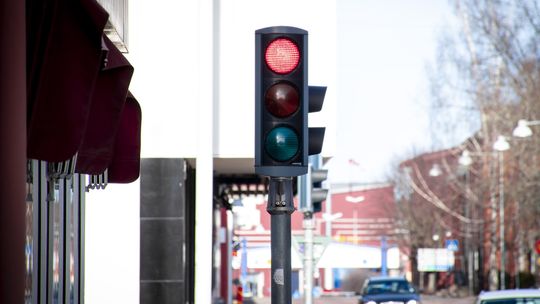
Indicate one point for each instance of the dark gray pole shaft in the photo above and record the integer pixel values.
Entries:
(281, 258)
(280, 206)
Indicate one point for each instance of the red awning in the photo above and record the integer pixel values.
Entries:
(96, 151)
(65, 56)
(77, 91)
(125, 166)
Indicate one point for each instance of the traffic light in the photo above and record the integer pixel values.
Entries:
(310, 190)
(318, 193)
(281, 101)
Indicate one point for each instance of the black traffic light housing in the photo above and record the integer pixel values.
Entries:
(281, 101)
(317, 193)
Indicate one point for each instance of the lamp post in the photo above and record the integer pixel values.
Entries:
(522, 130)
(355, 200)
(465, 160)
(501, 145)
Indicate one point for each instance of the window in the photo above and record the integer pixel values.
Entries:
(379, 287)
(117, 26)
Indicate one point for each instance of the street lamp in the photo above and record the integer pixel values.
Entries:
(435, 170)
(522, 129)
(329, 217)
(465, 158)
(501, 145)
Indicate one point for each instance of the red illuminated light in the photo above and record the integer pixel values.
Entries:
(282, 56)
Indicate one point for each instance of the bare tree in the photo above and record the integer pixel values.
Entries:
(486, 78)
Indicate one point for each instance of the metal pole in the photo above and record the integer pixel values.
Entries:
(501, 219)
(304, 196)
(328, 274)
(493, 278)
(384, 265)
(308, 257)
(468, 237)
(280, 207)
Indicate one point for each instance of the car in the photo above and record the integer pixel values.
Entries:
(388, 290)
(509, 296)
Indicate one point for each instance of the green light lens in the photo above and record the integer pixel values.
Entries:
(281, 143)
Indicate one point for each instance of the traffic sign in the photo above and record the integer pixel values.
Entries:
(319, 245)
(537, 246)
(452, 245)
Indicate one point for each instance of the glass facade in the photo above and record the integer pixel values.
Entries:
(54, 247)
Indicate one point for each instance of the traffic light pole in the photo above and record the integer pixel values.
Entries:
(280, 207)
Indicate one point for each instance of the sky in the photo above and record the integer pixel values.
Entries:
(384, 49)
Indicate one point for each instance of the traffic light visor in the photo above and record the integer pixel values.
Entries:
(282, 99)
(282, 56)
(281, 143)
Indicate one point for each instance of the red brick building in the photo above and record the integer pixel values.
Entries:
(362, 217)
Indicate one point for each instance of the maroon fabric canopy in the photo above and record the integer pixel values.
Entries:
(65, 56)
(77, 91)
(125, 166)
(96, 151)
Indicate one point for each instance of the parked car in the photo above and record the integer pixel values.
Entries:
(395, 290)
(510, 296)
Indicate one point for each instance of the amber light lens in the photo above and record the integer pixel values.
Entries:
(282, 99)
(282, 56)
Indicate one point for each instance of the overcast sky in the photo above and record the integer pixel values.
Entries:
(384, 47)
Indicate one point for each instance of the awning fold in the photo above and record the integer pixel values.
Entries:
(96, 151)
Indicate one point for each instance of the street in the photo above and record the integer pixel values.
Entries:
(426, 299)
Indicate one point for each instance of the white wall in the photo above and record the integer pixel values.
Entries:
(163, 48)
(112, 245)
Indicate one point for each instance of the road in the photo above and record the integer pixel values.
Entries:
(353, 300)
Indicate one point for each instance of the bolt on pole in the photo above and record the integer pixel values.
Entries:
(280, 206)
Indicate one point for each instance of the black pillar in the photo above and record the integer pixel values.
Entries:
(13, 151)
(164, 251)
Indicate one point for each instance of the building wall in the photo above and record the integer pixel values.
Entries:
(112, 244)
(164, 48)
(367, 215)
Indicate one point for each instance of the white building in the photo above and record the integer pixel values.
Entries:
(194, 78)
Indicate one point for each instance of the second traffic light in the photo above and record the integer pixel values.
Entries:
(317, 193)
(311, 193)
